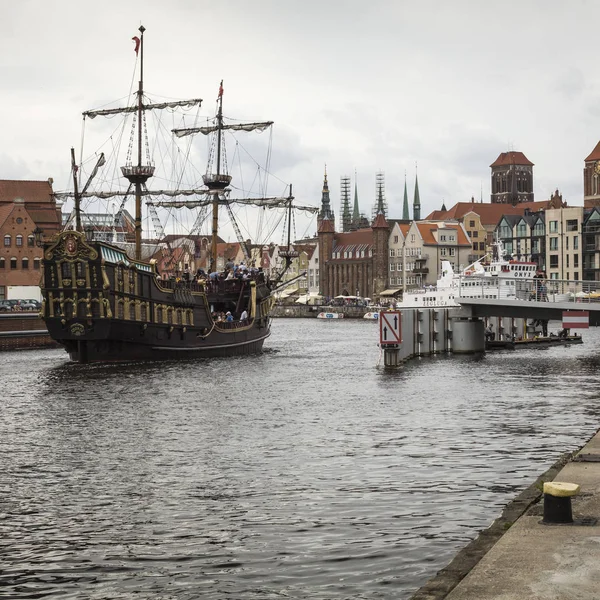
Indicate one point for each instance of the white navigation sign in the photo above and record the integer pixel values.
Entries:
(390, 327)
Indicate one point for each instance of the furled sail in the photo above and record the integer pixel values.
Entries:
(274, 202)
(259, 126)
(131, 109)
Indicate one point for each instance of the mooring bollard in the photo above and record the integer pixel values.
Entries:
(557, 501)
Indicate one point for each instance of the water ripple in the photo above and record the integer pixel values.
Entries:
(305, 472)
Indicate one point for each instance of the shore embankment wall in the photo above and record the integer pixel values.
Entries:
(20, 331)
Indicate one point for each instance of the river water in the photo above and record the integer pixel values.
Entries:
(305, 472)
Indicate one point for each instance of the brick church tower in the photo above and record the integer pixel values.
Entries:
(591, 178)
(512, 179)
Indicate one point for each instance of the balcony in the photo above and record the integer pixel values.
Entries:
(420, 270)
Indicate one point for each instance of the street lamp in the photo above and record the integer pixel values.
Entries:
(89, 233)
(38, 236)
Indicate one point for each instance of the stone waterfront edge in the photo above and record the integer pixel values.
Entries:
(441, 584)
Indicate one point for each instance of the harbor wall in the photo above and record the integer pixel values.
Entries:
(22, 331)
(430, 331)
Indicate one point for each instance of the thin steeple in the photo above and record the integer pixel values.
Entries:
(356, 211)
(325, 201)
(417, 200)
(325, 213)
(405, 210)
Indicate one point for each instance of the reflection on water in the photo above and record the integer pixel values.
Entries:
(303, 472)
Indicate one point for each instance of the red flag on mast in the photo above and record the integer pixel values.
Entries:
(220, 90)
(136, 39)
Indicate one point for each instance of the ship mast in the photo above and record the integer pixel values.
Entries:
(139, 174)
(216, 182)
(76, 192)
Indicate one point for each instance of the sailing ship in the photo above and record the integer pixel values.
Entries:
(105, 302)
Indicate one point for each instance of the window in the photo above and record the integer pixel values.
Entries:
(395, 239)
(554, 261)
(567, 265)
(19, 240)
(442, 238)
(13, 263)
(566, 242)
(471, 223)
(482, 246)
(2, 263)
(521, 230)
(412, 237)
(475, 246)
(7, 241)
(553, 243)
(443, 251)
(576, 260)
(553, 227)
(131, 311)
(392, 252)
(572, 225)
(505, 232)
(24, 263)
(575, 242)
(576, 276)
(30, 241)
(475, 234)
(392, 266)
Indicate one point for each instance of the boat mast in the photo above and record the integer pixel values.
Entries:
(76, 192)
(138, 185)
(216, 182)
(139, 174)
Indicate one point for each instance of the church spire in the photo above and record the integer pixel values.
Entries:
(405, 211)
(325, 212)
(356, 211)
(417, 200)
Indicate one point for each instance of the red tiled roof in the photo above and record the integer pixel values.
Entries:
(380, 222)
(512, 158)
(30, 191)
(427, 230)
(353, 238)
(489, 214)
(595, 155)
(326, 226)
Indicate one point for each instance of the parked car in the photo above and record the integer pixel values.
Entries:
(28, 305)
(7, 305)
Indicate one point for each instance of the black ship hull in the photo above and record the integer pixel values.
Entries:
(103, 306)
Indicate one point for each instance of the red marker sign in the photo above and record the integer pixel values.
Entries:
(575, 319)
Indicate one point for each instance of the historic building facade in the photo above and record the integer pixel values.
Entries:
(27, 210)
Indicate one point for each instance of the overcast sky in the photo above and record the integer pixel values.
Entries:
(367, 86)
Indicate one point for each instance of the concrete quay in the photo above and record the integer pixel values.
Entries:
(530, 560)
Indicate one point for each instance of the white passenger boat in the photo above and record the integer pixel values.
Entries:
(500, 278)
(330, 315)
